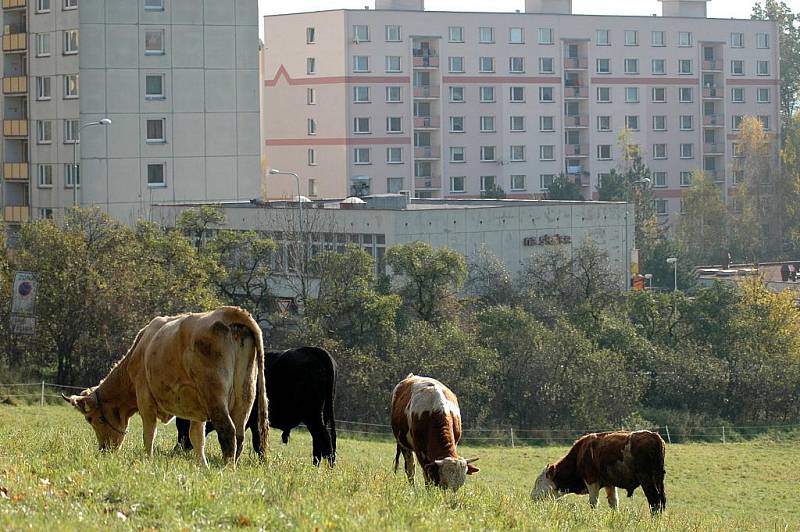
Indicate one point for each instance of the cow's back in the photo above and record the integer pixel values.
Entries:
(299, 382)
(426, 416)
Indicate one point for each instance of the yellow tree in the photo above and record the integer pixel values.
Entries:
(701, 232)
(789, 187)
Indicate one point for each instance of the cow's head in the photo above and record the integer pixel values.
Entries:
(545, 485)
(109, 426)
(452, 472)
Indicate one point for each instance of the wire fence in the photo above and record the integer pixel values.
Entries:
(507, 436)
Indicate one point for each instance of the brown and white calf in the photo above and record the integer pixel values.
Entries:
(426, 421)
(608, 460)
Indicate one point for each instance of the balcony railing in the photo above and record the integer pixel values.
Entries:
(427, 122)
(577, 150)
(428, 182)
(578, 91)
(713, 148)
(576, 121)
(426, 91)
(15, 85)
(713, 93)
(15, 42)
(11, 4)
(712, 65)
(427, 152)
(15, 171)
(714, 120)
(17, 214)
(576, 63)
(15, 128)
(426, 62)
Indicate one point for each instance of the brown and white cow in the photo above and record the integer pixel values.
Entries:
(608, 460)
(199, 366)
(426, 421)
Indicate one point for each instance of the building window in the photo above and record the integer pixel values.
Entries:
(686, 179)
(72, 175)
(685, 94)
(393, 63)
(659, 95)
(393, 33)
(737, 40)
(457, 184)
(517, 182)
(360, 33)
(658, 38)
(45, 176)
(155, 131)
(487, 124)
(516, 36)
(547, 153)
(603, 123)
(736, 149)
(659, 123)
(603, 38)
(361, 125)
(658, 67)
(487, 94)
(632, 94)
(762, 40)
(311, 126)
(457, 94)
(546, 123)
(516, 94)
(312, 187)
(393, 185)
(659, 179)
(486, 35)
(737, 95)
(545, 180)
(70, 86)
(154, 87)
(604, 152)
(687, 150)
(149, 5)
(394, 155)
(311, 35)
(360, 94)
(684, 66)
(545, 36)
(43, 88)
(360, 63)
(311, 65)
(762, 68)
(154, 42)
(659, 151)
(764, 119)
(361, 155)
(517, 153)
(70, 4)
(394, 124)
(456, 34)
(661, 207)
(458, 154)
(687, 122)
(455, 64)
(604, 94)
(684, 38)
(70, 42)
(488, 154)
(736, 122)
(631, 38)
(393, 95)
(457, 124)
(71, 131)
(42, 6)
(516, 65)
(631, 66)
(632, 122)
(487, 182)
(312, 157)
(44, 131)
(486, 64)
(604, 66)
(42, 45)
(155, 175)
(762, 95)
(737, 67)
(546, 94)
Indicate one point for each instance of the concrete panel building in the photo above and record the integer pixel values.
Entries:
(177, 78)
(452, 104)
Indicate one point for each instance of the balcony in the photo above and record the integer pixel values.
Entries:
(714, 120)
(427, 152)
(427, 122)
(574, 121)
(15, 85)
(430, 182)
(576, 150)
(712, 148)
(17, 214)
(716, 175)
(430, 92)
(576, 63)
(15, 171)
(14, 4)
(15, 128)
(15, 42)
(713, 93)
(712, 65)
(576, 92)
(431, 61)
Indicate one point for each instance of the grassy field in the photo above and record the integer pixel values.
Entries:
(52, 477)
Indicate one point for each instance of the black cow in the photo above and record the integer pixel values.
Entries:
(301, 384)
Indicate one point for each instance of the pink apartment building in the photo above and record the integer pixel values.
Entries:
(450, 104)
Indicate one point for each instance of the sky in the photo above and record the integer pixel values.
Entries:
(716, 8)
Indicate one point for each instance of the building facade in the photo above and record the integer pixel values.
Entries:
(177, 78)
(452, 104)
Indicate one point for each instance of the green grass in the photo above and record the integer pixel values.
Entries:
(53, 477)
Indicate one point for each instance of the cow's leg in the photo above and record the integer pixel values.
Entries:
(226, 432)
(256, 439)
(653, 497)
(613, 497)
(321, 438)
(197, 436)
(408, 460)
(594, 493)
(184, 442)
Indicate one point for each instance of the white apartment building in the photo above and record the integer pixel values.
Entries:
(451, 104)
(177, 78)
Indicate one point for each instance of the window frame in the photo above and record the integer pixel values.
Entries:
(387, 33)
(162, 95)
(44, 178)
(153, 140)
(67, 49)
(159, 7)
(156, 184)
(153, 52)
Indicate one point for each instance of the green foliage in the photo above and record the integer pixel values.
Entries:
(614, 187)
(702, 231)
(199, 222)
(564, 189)
(494, 191)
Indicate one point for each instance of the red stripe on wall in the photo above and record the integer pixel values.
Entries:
(743, 81)
(332, 80)
(342, 141)
(636, 80)
(548, 80)
(668, 193)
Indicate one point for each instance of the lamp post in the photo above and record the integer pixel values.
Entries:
(273, 171)
(644, 181)
(649, 277)
(101, 122)
(674, 262)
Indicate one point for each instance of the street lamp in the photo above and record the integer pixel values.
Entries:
(102, 122)
(649, 277)
(273, 171)
(674, 262)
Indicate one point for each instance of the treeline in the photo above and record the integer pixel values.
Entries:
(556, 345)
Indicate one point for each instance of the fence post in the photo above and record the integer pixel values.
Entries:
(512, 437)
(669, 440)
(723, 434)
(42, 401)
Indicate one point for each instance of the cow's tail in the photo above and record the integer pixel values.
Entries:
(659, 473)
(262, 422)
(329, 417)
(397, 458)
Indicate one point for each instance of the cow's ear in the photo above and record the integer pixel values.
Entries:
(83, 403)
(471, 469)
(550, 471)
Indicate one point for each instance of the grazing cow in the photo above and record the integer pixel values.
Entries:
(301, 384)
(608, 460)
(199, 366)
(426, 421)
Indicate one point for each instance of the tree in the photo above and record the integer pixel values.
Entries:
(494, 191)
(789, 186)
(428, 278)
(489, 280)
(614, 187)
(564, 189)
(702, 229)
(197, 222)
